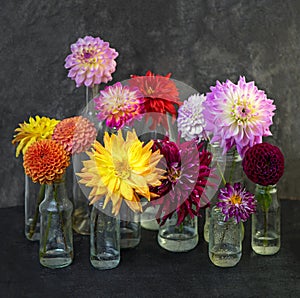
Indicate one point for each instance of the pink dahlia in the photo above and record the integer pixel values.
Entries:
(75, 134)
(236, 202)
(119, 105)
(183, 189)
(238, 114)
(91, 62)
(264, 164)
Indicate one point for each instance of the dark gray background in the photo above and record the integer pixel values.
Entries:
(198, 41)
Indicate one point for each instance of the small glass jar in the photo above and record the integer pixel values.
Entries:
(56, 241)
(265, 236)
(178, 238)
(34, 195)
(104, 237)
(225, 240)
(130, 227)
(229, 167)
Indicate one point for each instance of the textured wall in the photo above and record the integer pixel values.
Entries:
(198, 41)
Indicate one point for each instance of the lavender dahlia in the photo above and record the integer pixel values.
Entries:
(91, 62)
(190, 119)
(118, 105)
(238, 114)
(236, 202)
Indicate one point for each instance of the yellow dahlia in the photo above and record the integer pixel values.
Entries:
(45, 161)
(76, 134)
(37, 129)
(121, 170)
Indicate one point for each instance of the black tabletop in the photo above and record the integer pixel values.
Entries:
(148, 270)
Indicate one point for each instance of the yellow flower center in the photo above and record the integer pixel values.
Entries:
(122, 169)
(173, 174)
(243, 111)
(150, 91)
(236, 199)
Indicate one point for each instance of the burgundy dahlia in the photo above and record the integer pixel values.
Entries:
(264, 164)
(187, 171)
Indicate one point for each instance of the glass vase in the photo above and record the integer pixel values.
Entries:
(104, 237)
(82, 210)
(225, 240)
(130, 227)
(148, 218)
(265, 235)
(56, 240)
(34, 195)
(232, 169)
(178, 238)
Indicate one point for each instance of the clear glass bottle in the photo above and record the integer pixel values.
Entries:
(56, 241)
(82, 210)
(230, 169)
(34, 195)
(265, 236)
(104, 237)
(130, 227)
(225, 240)
(178, 238)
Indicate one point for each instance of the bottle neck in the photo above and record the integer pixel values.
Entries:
(56, 191)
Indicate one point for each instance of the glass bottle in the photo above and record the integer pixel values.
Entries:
(34, 195)
(148, 218)
(225, 240)
(265, 236)
(56, 240)
(130, 227)
(104, 237)
(178, 238)
(82, 210)
(229, 168)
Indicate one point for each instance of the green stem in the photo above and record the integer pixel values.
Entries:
(36, 214)
(224, 231)
(232, 165)
(47, 232)
(265, 228)
(221, 173)
(59, 214)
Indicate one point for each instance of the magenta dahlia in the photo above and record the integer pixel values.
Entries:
(187, 172)
(263, 164)
(91, 62)
(236, 202)
(119, 105)
(238, 114)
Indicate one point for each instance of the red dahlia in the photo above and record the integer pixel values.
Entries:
(160, 96)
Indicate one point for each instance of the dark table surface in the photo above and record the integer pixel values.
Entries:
(148, 270)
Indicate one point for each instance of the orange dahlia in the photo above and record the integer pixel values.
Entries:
(45, 161)
(76, 134)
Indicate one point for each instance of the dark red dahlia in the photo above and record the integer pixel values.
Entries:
(187, 171)
(264, 164)
(160, 96)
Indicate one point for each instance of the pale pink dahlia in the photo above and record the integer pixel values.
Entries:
(76, 134)
(119, 105)
(91, 62)
(190, 118)
(238, 114)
